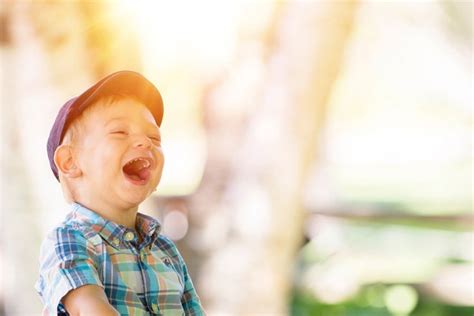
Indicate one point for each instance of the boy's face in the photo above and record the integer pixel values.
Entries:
(119, 154)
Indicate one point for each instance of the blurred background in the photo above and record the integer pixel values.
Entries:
(318, 153)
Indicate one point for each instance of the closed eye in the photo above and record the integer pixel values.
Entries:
(155, 138)
(119, 132)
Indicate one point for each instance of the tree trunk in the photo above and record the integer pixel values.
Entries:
(259, 156)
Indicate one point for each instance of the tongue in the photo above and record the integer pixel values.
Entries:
(139, 175)
(136, 171)
(144, 173)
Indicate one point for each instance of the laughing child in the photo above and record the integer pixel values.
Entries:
(106, 258)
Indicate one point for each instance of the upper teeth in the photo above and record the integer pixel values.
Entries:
(146, 163)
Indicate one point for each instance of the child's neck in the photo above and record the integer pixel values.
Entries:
(124, 217)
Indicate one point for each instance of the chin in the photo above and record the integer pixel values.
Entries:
(135, 192)
(135, 198)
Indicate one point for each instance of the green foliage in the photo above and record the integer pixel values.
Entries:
(304, 304)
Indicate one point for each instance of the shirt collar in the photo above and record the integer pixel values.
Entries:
(115, 233)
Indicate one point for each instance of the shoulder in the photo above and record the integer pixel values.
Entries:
(165, 243)
(69, 241)
(168, 248)
(68, 260)
(70, 233)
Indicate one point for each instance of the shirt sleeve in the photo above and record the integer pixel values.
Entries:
(66, 263)
(190, 300)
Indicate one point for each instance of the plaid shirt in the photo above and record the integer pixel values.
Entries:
(149, 278)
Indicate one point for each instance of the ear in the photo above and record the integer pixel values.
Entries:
(65, 162)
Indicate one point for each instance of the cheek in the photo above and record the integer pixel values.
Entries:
(160, 159)
(105, 159)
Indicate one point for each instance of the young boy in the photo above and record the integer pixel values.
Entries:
(106, 258)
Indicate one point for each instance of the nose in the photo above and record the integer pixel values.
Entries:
(142, 141)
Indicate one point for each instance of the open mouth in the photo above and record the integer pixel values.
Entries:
(138, 170)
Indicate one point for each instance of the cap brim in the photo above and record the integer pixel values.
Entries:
(122, 82)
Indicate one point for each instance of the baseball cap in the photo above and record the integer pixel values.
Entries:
(123, 82)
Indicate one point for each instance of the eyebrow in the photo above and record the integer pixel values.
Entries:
(154, 127)
(114, 119)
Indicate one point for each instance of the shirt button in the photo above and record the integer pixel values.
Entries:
(116, 242)
(129, 236)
